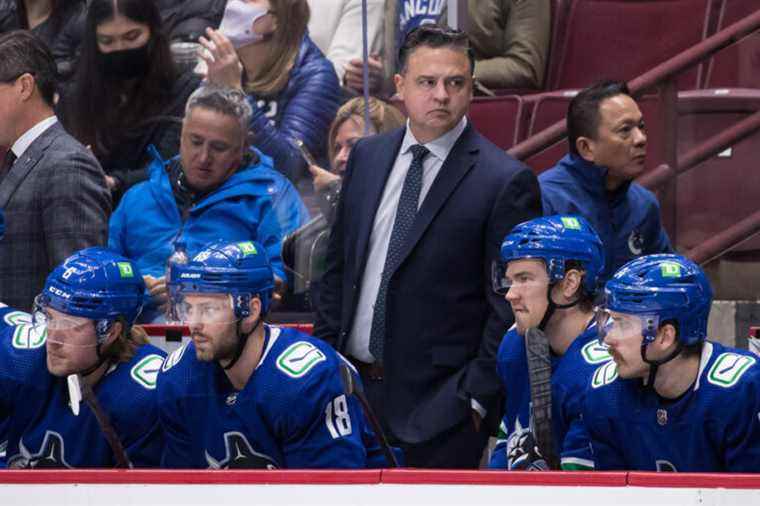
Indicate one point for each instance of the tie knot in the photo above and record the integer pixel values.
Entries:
(418, 152)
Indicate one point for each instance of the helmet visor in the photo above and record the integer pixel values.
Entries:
(623, 325)
(62, 328)
(519, 280)
(204, 308)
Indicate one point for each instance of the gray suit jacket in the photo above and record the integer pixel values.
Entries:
(56, 202)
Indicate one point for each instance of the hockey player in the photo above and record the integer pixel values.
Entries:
(548, 273)
(81, 345)
(671, 400)
(244, 394)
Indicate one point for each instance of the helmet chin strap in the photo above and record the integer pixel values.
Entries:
(553, 306)
(241, 339)
(655, 364)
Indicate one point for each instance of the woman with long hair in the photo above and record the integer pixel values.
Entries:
(262, 48)
(127, 93)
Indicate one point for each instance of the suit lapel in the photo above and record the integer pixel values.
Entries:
(373, 178)
(460, 161)
(26, 163)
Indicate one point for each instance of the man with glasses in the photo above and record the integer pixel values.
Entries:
(244, 394)
(52, 188)
(407, 292)
(77, 384)
(548, 272)
(671, 400)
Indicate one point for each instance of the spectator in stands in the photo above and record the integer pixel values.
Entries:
(608, 143)
(217, 188)
(511, 41)
(407, 292)
(127, 93)
(262, 48)
(59, 23)
(346, 129)
(337, 31)
(51, 187)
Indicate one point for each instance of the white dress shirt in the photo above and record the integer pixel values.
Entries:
(23, 142)
(358, 339)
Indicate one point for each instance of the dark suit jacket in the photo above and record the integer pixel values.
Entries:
(55, 202)
(444, 322)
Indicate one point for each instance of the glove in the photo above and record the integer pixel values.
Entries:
(523, 454)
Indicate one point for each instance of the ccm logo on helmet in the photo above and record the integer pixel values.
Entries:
(190, 275)
(59, 292)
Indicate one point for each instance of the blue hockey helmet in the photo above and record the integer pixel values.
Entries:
(241, 269)
(555, 240)
(98, 284)
(659, 288)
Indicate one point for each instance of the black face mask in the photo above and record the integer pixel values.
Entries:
(125, 64)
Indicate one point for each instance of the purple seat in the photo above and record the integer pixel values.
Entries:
(497, 118)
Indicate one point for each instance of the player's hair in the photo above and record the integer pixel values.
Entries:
(434, 36)
(693, 350)
(223, 100)
(24, 53)
(126, 344)
(585, 299)
(583, 111)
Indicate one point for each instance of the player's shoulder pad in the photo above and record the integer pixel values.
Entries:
(604, 375)
(297, 354)
(730, 367)
(145, 366)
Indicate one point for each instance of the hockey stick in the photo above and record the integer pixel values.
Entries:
(540, 375)
(351, 387)
(122, 461)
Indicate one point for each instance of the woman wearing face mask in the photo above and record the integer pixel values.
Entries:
(57, 22)
(262, 48)
(127, 93)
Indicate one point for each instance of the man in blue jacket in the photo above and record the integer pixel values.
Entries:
(217, 188)
(607, 139)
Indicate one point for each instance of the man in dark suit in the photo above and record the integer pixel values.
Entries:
(52, 188)
(407, 291)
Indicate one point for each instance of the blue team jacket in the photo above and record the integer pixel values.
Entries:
(627, 220)
(303, 110)
(255, 203)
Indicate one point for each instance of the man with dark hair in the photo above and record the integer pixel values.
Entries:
(52, 188)
(407, 293)
(607, 140)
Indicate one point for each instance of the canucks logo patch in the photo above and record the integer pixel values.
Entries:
(26, 335)
(174, 357)
(571, 223)
(595, 353)
(604, 375)
(146, 370)
(299, 358)
(728, 369)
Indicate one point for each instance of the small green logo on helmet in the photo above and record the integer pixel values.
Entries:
(570, 222)
(247, 248)
(125, 270)
(670, 270)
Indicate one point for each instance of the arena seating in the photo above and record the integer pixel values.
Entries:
(739, 65)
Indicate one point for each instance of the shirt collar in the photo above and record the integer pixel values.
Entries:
(23, 142)
(439, 147)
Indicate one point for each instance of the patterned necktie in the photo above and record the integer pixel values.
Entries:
(8, 160)
(407, 210)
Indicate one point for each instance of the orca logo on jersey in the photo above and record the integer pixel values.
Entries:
(26, 336)
(595, 353)
(174, 357)
(240, 455)
(665, 466)
(146, 370)
(604, 375)
(51, 454)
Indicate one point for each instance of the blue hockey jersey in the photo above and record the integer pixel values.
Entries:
(40, 427)
(292, 413)
(570, 376)
(712, 427)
